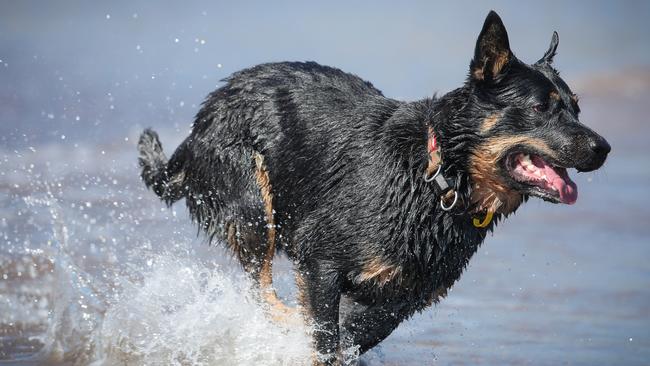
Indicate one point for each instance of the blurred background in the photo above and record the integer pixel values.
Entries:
(94, 269)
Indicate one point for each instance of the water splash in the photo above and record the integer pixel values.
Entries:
(170, 309)
(186, 314)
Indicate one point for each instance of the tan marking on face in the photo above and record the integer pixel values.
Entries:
(489, 122)
(379, 271)
(478, 73)
(489, 189)
(554, 95)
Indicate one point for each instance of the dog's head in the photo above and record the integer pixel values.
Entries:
(528, 132)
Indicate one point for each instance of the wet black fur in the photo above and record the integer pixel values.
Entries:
(346, 166)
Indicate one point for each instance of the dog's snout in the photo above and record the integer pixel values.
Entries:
(594, 153)
(600, 146)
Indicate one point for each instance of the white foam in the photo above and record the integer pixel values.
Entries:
(179, 313)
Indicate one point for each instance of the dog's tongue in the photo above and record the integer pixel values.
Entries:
(558, 179)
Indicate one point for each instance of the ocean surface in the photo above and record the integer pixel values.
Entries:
(94, 269)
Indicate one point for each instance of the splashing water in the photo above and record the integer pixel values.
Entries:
(172, 311)
(96, 272)
(184, 313)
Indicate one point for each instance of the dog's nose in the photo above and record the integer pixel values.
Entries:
(600, 147)
(595, 153)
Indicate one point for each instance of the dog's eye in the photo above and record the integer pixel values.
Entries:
(542, 107)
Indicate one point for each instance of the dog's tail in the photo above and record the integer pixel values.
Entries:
(155, 173)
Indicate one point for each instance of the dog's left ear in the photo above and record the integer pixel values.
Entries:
(552, 50)
(492, 52)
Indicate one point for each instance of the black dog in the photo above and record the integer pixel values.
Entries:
(379, 202)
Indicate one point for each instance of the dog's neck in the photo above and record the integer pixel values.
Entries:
(455, 122)
(425, 234)
(454, 136)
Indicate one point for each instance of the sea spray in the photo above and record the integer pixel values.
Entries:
(184, 313)
(170, 309)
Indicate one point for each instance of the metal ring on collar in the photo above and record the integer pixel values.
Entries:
(431, 178)
(442, 202)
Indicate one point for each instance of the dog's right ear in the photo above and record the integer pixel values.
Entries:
(492, 52)
(552, 50)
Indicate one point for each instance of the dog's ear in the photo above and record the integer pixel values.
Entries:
(492, 52)
(552, 50)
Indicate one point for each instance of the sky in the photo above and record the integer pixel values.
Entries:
(93, 71)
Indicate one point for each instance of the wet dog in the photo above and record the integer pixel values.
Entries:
(380, 203)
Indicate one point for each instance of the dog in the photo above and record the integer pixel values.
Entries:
(379, 203)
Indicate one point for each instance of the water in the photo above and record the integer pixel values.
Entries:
(95, 270)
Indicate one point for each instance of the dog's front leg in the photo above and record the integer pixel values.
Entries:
(321, 295)
(365, 326)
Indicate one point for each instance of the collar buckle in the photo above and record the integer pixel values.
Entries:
(442, 185)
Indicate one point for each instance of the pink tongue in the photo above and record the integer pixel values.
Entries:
(559, 180)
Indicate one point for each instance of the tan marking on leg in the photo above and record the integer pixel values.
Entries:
(489, 122)
(264, 182)
(377, 270)
(232, 241)
(489, 190)
(302, 294)
(280, 312)
(306, 312)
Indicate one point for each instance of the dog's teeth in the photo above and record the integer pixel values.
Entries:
(525, 160)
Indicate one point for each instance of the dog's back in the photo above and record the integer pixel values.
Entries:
(299, 122)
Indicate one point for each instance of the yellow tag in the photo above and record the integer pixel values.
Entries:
(486, 221)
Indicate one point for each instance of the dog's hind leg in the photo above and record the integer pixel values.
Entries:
(280, 311)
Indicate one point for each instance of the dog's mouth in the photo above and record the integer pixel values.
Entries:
(538, 176)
